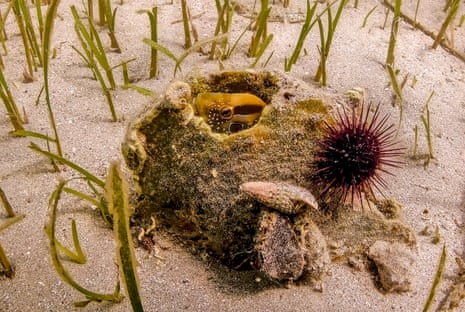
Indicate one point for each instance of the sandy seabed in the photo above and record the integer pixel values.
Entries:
(432, 196)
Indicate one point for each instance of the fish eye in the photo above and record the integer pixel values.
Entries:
(236, 127)
(226, 113)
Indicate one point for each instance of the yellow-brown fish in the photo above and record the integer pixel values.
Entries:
(229, 112)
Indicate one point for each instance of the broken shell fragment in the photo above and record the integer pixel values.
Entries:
(229, 112)
(281, 196)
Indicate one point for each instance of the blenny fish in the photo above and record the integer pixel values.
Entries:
(229, 112)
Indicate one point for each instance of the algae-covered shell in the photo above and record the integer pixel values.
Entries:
(188, 175)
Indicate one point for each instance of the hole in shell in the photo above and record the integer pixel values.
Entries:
(229, 112)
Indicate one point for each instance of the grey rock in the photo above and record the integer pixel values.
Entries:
(394, 262)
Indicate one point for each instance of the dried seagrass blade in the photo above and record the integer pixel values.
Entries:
(50, 230)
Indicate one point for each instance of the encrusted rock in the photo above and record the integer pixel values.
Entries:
(279, 254)
(394, 264)
(317, 258)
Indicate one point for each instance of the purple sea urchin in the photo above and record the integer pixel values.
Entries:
(354, 153)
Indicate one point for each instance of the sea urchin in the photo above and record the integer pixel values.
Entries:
(354, 153)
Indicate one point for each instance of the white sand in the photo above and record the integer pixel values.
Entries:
(431, 196)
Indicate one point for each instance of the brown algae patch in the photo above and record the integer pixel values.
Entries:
(188, 177)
